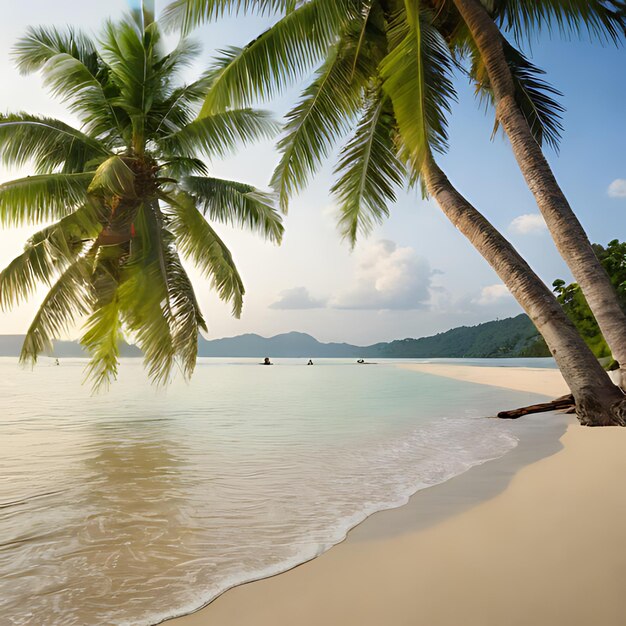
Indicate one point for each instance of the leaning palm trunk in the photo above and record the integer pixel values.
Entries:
(567, 232)
(598, 401)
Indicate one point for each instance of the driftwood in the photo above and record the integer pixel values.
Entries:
(565, 403)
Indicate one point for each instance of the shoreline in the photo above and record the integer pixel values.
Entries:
(544, 381)
(305, 595)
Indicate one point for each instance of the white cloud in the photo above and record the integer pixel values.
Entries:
(297, 298)
(528, 224)
(617, 189)
(388, 277)
(493, 294)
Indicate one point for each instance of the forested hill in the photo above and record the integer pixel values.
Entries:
(511, 337)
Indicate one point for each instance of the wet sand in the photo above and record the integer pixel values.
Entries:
(531, 538)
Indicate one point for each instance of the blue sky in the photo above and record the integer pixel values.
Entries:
(415, 275)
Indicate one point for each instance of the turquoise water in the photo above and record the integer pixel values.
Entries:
(136, 505)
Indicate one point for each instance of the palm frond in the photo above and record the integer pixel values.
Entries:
(237, 204)
(177, 167)
(369, 169)
(102, 338)
(416, 77)
(324, 114)
(50, 144)
(179, 108)
(201, 245)
(68, 299)
(41, 43)
(601, 19)
(218, 135)
(115, 177)
(279, 56)
(185, 315)
(131, 56)
(534, 96)
(71, 81)
(185, 14)
(45, 254)
(36, 199)
(144, 298)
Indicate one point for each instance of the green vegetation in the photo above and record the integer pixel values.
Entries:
(509, 338)
(124, 196)
(613, 260)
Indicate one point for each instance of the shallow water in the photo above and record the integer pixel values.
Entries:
(136, 505)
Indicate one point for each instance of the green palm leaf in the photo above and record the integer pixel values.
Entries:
(143, 301)
(369, 169)
(71, 81)
(185, 315)
(416, 78)
(201, 245)
(41, 43)
(102, 338)
(41, 198)
(218, 135)
(47, 252)
(280, 55)
(185, 14)
(144, 297)
(324, 114)
(237, 204)
(68, 299)
(115, 177)
(604, 20)
(179, 167)
(534, 96)
(179, 108)
(49, 143)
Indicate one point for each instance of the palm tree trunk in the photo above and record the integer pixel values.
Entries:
(598, 401)
(567, 232)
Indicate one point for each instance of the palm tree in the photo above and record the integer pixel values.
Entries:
(387, 73)
(600, 18)
(495, 65)
(124, 196)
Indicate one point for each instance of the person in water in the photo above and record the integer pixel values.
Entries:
(266, 361)
(310, 362)
(360, 361)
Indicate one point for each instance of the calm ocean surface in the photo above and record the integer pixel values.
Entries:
(136, 505)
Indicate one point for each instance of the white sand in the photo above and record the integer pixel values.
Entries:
(548, 382)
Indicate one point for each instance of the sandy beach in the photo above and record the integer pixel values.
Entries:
(533, 538)
(548, 382)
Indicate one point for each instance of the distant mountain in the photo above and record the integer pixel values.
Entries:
(11, 345)
(285, 346)
(511, 337)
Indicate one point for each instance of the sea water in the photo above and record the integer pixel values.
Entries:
(136, 505)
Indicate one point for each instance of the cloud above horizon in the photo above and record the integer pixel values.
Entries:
(388, 277)
(297, 298)
(617, 189)
(528, 224)
(493, 294)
